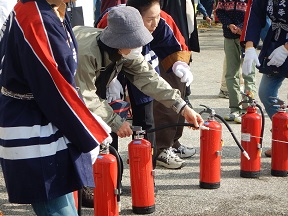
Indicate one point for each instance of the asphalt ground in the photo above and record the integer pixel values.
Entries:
(179, 192)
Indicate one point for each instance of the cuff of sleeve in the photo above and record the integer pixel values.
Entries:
(116, 124)
(177, 107)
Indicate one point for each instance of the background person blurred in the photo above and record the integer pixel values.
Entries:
(272, 60)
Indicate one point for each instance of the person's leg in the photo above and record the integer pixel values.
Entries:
(233, 51)
(223, 88)
(164, 116)
(268, 90)
(143, 116)
(63, 205)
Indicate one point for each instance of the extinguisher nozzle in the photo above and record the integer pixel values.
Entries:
(246, 155)
(202, 127)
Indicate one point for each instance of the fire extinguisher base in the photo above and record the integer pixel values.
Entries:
(143, 210)
(249, 174)
(279, 173)
(206, 185)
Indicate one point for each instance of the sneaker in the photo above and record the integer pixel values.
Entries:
(185, 152)
(88, 197)
(235, 116)
(223, 94)
(168, 159)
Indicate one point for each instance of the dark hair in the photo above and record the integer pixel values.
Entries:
(142, 5)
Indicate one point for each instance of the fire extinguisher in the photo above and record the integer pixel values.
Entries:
(141, 173)
(252, 130)
(211, 150)
(279, 156)
(107, 174)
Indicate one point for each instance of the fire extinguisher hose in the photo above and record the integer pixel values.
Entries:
(174, 125)
(114, 152)
(234, 137)
(263, 124)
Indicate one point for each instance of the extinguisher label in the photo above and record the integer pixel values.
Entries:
(137, 142)
(246, 137)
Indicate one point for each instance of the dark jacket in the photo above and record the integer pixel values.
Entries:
(231, 12)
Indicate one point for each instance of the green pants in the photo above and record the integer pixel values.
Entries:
(234, 60)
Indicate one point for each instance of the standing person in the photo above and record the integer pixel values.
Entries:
(6, 7)
(231, 14)
(272, 61)
(46, 130)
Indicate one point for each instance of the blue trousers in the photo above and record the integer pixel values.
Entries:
(61, 206)
(268, 88)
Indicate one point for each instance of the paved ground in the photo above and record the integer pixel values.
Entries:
(179, 192)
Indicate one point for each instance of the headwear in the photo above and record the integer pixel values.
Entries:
(125, 29)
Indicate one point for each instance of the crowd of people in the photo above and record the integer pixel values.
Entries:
(57, 84)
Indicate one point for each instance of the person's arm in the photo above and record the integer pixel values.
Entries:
(201, 9)
(255, 20)
(144, 77)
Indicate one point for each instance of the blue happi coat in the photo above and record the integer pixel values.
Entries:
(45, 128)
(277, 35)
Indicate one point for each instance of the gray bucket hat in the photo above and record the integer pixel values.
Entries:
(125, 29)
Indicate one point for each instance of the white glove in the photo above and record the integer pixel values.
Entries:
(94, 153)
(114, 90)
(278, 56)
(249, 58)
(182, 70)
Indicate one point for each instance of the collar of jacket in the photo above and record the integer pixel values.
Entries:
(112, 52)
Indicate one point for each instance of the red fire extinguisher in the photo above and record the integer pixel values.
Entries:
(141, 174)
(252, 128)
(210, 153)
(279, 156)
(211, 150)
(106, 178)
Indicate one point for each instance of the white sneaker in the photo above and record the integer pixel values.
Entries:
(234, 116)
(185, 152)
(168, 159)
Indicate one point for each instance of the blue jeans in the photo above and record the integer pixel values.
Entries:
(268, 88)
(60, 206)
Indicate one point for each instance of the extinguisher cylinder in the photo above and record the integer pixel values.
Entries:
(141, 176)
(210, 155)
(279, 157)
(105, 192)
(250, 140)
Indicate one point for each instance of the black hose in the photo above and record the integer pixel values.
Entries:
(114, 152)
(232, 133)
(79, 202)
(169, 125)
(263, 124)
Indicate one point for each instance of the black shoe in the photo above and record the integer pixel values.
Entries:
(186, 99)
(88, 197)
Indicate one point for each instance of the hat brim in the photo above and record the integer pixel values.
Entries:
(129, 40)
